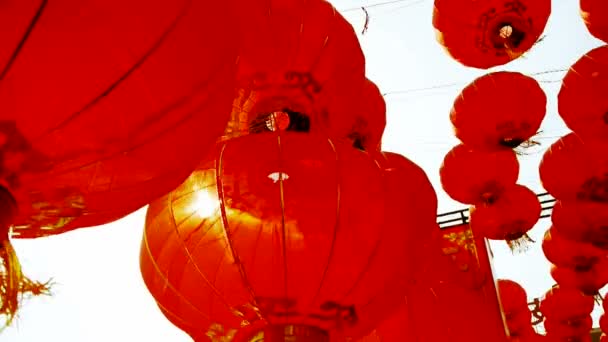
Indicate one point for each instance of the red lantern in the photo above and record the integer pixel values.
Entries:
(582, 103)
(595, 15)
(367, 120)
(575, 329)
(509, 217)
(573, 169)
(471, 176)
(513, 297)
(487, 33)
(517, 105)
(288, 232)
(301, 60)
(584, 221)
(563, 303)
(564, 252)
(589, 281)
(105, 106)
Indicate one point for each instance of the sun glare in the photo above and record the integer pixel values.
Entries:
(205, 204)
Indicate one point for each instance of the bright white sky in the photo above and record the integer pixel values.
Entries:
(100, 296)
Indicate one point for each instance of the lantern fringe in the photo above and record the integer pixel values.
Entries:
(14, 286)
(520, 245)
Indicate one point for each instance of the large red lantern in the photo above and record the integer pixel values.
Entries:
(285, 234)
(585, 221)
(105, 106)
(595, 15)
(299, 59)
(509, 217)
(576, 169)
(471, 176)
(582, 103)
(517, 105)
(487, 33)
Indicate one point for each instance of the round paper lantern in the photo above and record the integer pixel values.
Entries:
(517, 105)
(582, 103)
(366, 123)
(573, 169)
(300, 59)
(470, 176)
(284, 233)
(105, 106)
(595, 15)
(584, 221)
(589, 281)
(564, 252)
(509, 217)
(487, 33)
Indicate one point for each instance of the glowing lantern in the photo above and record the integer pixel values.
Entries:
(595, 15)
(584, 221)
(517, 105)
(300, 59)
(487, 33)
(105, 106)
(470, 176)
(582, 103)
(573, 169)
(285, 232)
(509, 217)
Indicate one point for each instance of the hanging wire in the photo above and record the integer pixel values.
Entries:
(455, 84)
(380, 4)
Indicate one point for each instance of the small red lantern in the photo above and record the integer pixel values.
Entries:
(487, 33)
(513, 297)
(595, 15)
(564, 252)
(589, 281)
(585, 221)
(573, 169)
(517, 105)
(582, 100)
(104, 107)
(514, 302)
(509, 217)
(471, 176)
(574, 329)
(285, 232)
(563, 303)
(366, 122)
